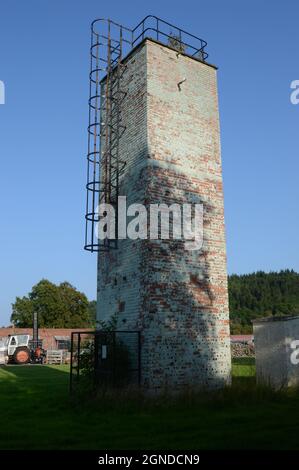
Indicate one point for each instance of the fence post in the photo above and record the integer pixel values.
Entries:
(71, 364)
(96, 359)
(139, 358)
(78, 354)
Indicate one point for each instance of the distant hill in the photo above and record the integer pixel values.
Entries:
(261, 294)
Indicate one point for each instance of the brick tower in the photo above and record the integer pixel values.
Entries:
(177, 298)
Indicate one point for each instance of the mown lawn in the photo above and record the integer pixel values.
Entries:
(37, 413)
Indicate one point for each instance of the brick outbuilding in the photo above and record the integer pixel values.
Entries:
(52, 338)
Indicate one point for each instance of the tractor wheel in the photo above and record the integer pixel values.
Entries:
(21, 355)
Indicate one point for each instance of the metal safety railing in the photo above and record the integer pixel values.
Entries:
(177, 38)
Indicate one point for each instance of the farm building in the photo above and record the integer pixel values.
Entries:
(277, 350)
(51, 338)
(60, 338)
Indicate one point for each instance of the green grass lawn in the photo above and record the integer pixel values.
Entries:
(37, 413)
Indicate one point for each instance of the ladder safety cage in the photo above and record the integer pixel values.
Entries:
(105, 129)
(110, 44)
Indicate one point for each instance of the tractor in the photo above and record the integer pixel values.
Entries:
(17, 349)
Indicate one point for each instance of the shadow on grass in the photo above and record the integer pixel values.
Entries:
(243, 393)
(241, 416)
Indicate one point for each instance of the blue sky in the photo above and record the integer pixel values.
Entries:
(44, 47)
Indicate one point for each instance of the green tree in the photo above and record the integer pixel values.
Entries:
(92, 309)
(58, 306)
(261, 294)
(22, 311)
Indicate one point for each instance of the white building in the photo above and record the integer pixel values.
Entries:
(276, 342)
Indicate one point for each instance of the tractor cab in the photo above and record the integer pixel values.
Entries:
(16, 341)
(18, 349)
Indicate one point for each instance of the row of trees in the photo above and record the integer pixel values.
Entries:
(251, 296)
(58, 306)
(261, 294)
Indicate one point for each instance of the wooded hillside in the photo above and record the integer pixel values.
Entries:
(261, 294)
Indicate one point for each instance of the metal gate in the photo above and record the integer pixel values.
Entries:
(105, 359)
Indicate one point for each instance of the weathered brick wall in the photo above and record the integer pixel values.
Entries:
(178, 298)
(119, 272)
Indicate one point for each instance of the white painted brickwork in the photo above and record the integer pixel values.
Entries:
(177, 298)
